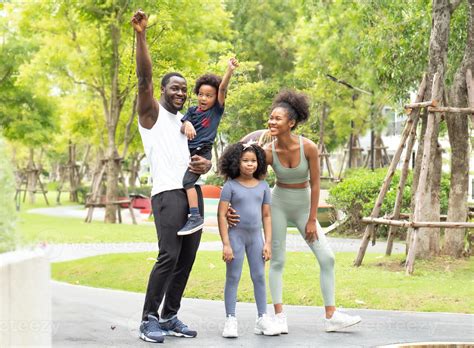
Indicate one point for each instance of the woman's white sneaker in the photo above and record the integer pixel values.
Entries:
(281, 322)
(230, 327)
(266, 326)
(340, 321)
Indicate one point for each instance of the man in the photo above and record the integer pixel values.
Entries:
(167, 151)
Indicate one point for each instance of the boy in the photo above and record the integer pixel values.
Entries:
(200, 126)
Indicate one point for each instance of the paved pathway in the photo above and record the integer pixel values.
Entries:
(89, 317)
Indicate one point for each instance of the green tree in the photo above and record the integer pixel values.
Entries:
(86, 49)
(264, 34)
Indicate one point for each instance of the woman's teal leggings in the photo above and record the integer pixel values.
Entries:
(292, 205)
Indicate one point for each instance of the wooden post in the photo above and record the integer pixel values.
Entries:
(95, 191)
(415, 224)
(401, 185)
(422, 182)
(122, 180)
(451, 110)
(84, 166)
(370, 229)
(342, 164)
(328, 164)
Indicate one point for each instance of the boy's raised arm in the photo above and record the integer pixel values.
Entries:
(147, 107)
(222, 93)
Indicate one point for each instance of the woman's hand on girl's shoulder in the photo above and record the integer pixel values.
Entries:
(232, 217)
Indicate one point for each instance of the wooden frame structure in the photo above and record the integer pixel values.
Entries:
(408, 139)
(27, 179)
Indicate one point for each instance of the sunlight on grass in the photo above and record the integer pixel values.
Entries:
(443, 285)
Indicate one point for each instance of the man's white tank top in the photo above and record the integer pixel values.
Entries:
(166, 149)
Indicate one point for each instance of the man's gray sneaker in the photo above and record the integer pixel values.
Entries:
(175, 327)
(150, 330)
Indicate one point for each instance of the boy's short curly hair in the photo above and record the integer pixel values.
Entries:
(207, 79)
(229, 163)
(296, 104)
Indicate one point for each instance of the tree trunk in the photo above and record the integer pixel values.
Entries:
(458, 131)
(73, 175)
(112, 184)
(428, 238)
(31, 181)
(136, 158)
(112, 117)
(378, 151)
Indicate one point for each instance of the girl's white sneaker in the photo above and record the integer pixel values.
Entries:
(230, 327)
(266, 326)
(281, 322)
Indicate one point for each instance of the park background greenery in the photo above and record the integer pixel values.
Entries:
(57, 64)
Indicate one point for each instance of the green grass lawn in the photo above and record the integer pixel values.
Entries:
(443, 285)
(41, 228)
(34, 228)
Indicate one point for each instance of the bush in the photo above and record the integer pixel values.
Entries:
(271, 177)
(7, 206)
(357, 193)
(214, 179)
(82, 192)
(326, 184)
(140, 190)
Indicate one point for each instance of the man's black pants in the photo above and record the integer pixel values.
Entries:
(176, 254)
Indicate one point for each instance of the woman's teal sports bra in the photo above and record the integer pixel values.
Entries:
(295, 175)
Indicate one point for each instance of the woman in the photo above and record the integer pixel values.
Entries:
(295, 198)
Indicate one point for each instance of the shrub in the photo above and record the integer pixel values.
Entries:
(214, 179)
(271, 177)
(82, 192)
(357, 193)
(140, 190)
(7, 206)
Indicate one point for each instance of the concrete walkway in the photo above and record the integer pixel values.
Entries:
(89, 317)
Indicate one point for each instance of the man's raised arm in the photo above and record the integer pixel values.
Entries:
(147, 105)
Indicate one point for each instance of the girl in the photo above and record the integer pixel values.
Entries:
(243, 166)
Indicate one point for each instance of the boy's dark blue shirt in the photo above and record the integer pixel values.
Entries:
(205, 123)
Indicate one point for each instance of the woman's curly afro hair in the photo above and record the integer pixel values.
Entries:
(229, 163)
(296, 103)
(207, 79)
